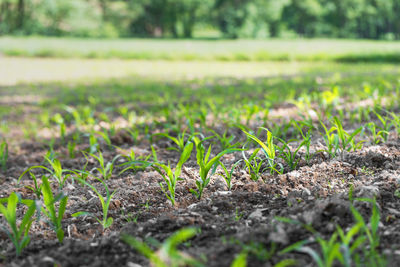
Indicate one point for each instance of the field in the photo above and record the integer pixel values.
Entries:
(220, 50)
(199, 163)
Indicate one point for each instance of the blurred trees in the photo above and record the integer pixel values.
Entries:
(376, 19)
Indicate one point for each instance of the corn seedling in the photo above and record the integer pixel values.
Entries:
(134, 133)
(105, 221)
(17, 233)
(206, 164)
(347, 141)
(167, 254)
(224, 140)
(93, 144)
(267, 147)
(253, 164)
(385, 128)
(3, 155)
(377, 136)
(344, 246)
(50, 210)
(179, 140)
(76, 116)
(71, 149)
(105, 137)
(289, 155)
(59, 120)
(170, 177)
(250, 111)
(306, 138)
(134, 163)
(396, 122)
(371, 231)
(105, 169)
(227, 175)
(50, 154)
(37, 189)
(240, 259)
(331, 141)
(57, 172)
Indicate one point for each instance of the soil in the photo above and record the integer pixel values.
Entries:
(244, 218)
(316, 193)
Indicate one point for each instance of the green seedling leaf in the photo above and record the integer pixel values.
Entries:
(240, 260)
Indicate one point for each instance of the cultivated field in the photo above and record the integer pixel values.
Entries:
(200, 163)
(220, 50)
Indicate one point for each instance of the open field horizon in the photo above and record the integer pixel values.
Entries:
(340, 50)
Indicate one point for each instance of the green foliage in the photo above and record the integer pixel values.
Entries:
(170, 177)
(347, 141)
(384, 127)
(105, 221)
(356, 247)
(253, 164)
(17, 233)
(134, 163)
(228, 175)
(105, 169)
(168, 254)
(179, 140)
(205, 164)
(56, 171)
(377, 135)
(3, 155)
(181, 19)
(289, 155)
(37, 189)
(267, 147)
(50, 210)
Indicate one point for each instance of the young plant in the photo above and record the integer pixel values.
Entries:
(205, 165)
(3, 155)
(71, 149)
(224, 140)
(385, 128)
(371, 231)
(105, 221)
(37, 189)
(227, 175)
(105, 169)
(331, 141)
(50, 210)
(253, 164)
(377, 136)
(171, 177)
(347, 141)
(167, 254)
(344, 246)
(134, 163)
(93, 144)
(17, 233)
(396, 122)
(106, 137)
(306, 137)
(179, 140)
(59, 120)
(57, 172)
(289, 155)
(267, 147)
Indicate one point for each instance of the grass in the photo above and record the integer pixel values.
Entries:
(189, 50)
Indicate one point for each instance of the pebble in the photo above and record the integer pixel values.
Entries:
(257, 214)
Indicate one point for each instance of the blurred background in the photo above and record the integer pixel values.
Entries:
(372, 19)
(46, 40)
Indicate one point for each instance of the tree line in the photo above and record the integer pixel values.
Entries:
(374, 19)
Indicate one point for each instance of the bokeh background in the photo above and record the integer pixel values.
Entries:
(372, 19)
